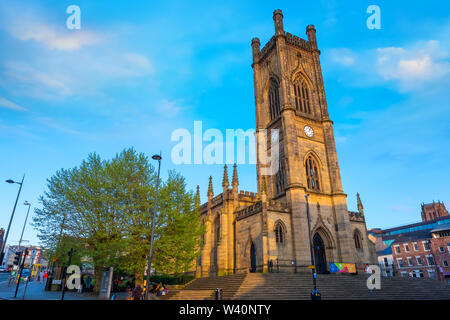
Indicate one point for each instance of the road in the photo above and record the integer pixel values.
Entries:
(35, 291)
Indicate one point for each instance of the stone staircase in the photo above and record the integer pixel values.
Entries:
(297, 286)
(204, 288)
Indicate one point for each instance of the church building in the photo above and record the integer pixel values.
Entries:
(248, 232)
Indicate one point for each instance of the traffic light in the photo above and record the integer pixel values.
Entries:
(17, 256)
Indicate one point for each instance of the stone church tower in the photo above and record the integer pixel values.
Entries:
(244, 230)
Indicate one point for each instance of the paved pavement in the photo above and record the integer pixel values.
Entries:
(35, 291)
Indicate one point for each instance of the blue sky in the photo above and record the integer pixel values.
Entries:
(136, 71)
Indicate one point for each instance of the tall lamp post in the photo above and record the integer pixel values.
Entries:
(11, 219)
(26, 203)
(150, 254)
(315, 294)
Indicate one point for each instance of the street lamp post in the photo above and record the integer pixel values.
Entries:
(315, 292)
(26, 203)
(150, 254)
(11, 219)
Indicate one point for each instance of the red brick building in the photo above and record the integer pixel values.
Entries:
(423, 254)
(440, 246)
(414, 257)
(417, 250)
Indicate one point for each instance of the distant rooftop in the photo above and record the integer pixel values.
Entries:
(426, 225)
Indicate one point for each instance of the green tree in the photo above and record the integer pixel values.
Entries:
(180, 228)
(104, 208)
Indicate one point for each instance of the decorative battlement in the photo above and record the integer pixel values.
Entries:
(249, 211)
(204, 208)
(356, 216)
(265, 50)
(310, 45)
(217, 200)
(247, 194)
(298, 42)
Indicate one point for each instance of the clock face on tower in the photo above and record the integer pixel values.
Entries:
(308, 131)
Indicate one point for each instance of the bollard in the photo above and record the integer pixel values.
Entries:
(219, 294)
(315, 295)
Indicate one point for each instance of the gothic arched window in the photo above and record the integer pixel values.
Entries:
(357, 239)
(280, 177)
(274, 99)
(312, 174)
(302, 101)
(279, 232)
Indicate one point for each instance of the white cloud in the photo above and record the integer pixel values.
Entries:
(169, 108)
(27, 26)
(138, 60)
(23, 79)
(5, 103)
(415, 65)
(114, 64)
(342, 56)
(56, 125)
(412, 67)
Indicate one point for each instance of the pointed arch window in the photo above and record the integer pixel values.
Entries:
(302, 100)
(312, 174)
(357, 239)
(274, 99)
(279, 232)
(280, 177)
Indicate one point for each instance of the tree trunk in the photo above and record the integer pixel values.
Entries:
(98, 279)
(139, 279)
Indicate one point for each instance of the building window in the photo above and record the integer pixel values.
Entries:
(312, 174)
(445, 263)
(400, 263)
(302, 101)
(441, 249)
(419, 261)
(357, 239)
(426, 245)
(432, 274)
(386, 262)
(416, 247)
(406, 247)
(430, 260)
(279, 232)
(404, 274)
(274, 99)
(410, 263)
(397, 249)
(280, 177)
(418, 274)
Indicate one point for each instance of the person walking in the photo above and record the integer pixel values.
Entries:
(137, 293)
(270, 266)
(87, 283)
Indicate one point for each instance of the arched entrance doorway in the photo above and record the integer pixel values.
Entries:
(252, 258)
(319, 254)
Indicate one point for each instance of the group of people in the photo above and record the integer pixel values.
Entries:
(86, 281)
(138, 292)
(42, 276)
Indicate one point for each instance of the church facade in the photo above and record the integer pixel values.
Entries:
(249, 232)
